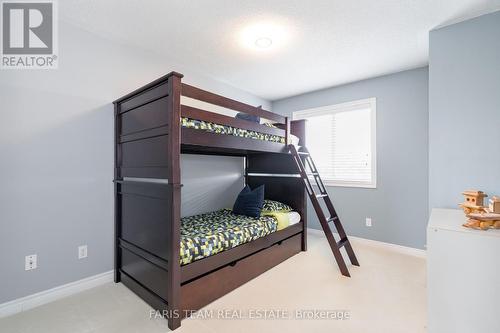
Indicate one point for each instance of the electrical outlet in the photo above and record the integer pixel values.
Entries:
(30, 262)
(82, 252)
(368, 221)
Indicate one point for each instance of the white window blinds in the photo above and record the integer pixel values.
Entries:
(341, 139)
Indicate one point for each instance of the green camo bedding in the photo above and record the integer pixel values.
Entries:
(206, 234)
(229, 130)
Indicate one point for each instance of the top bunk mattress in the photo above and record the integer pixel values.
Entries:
(207, 234)
(235, 131)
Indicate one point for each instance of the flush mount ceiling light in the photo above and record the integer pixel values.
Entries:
(263, 36)
(263, 42)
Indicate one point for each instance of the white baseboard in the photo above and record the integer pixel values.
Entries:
(388, 246)
(50, 295)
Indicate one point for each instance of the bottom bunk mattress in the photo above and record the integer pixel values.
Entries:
(207, 234)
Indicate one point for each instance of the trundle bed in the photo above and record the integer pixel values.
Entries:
(156, 252)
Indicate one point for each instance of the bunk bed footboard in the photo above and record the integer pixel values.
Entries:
(147, 194)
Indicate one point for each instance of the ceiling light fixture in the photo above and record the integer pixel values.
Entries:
(263, 42)
(263, 36)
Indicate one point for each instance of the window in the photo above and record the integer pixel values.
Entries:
(342, 141)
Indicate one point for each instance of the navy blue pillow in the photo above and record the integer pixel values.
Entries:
(249, 117)
(248, 202)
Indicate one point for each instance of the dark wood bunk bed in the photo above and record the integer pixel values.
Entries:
(149, 139)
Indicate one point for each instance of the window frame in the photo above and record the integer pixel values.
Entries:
(345, 107)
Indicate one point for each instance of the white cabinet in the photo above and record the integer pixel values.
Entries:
(463, 275)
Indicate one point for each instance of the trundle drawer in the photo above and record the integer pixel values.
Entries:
(204, 290)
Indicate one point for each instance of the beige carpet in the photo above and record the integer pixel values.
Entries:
(386, 294)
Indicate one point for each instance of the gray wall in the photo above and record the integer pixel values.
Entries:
(210, 182)
(464, 110)
(399, 205)
(56, 151)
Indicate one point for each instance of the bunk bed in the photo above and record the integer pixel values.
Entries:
(152, 129)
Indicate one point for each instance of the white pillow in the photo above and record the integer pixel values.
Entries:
(293, 218)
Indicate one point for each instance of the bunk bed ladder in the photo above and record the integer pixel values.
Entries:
(303, 159)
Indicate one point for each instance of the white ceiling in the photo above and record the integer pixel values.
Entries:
(330, 42)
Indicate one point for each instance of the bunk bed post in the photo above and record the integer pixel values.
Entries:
(298, 128)
(116, 191)
(174, 178)
(287, 131)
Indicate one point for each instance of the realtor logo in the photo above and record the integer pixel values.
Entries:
(28, 34)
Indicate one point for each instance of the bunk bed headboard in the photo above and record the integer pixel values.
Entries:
(280, 176)
(298, 128)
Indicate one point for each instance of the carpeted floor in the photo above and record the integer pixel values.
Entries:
(386, 294)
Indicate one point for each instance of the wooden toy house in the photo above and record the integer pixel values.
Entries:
(474, 198)
(474, 202)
